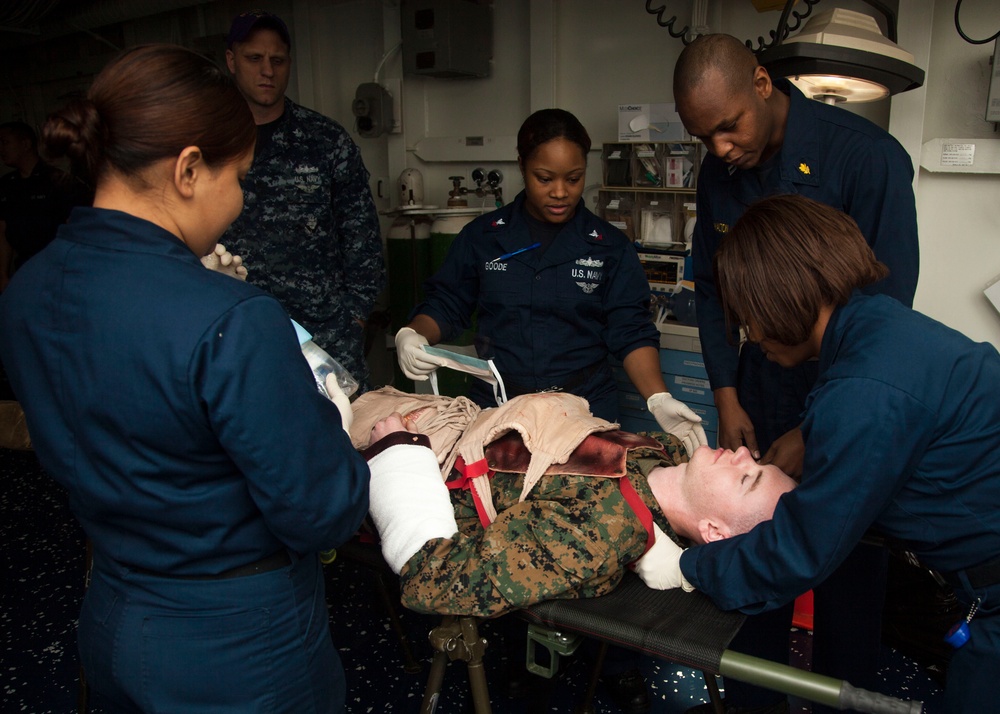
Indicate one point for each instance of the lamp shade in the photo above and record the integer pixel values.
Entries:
(841, 56)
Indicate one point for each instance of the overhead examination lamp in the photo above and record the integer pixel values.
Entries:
(842, 56)
(839, 56)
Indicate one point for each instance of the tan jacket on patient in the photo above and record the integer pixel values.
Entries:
(551, 424)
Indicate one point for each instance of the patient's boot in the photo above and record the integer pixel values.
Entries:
(13, 428)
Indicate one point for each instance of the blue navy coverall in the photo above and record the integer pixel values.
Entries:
(902, 431)
(309, 233)
(174, 405)
(838, 158)
(551, 320)
(829, 155)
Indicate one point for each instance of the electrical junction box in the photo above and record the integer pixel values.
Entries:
(447, 38)
(993, 98)
(372, 109)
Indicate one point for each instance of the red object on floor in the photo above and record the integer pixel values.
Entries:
(802, 617)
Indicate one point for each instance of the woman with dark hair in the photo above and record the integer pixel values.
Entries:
(555, 290)
(902, 432)
(174, 405)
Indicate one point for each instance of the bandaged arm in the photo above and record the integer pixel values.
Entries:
(408, 499)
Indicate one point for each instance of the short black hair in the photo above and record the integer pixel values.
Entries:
(22, 131)
(548, 124)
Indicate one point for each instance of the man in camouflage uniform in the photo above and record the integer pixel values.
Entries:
(309, 231)
(572, 535)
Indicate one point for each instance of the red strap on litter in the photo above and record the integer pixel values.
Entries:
(634, 500)
(467, 473)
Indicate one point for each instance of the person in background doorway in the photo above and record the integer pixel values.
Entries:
(35, 198)
(902, 432)
(765, 137)
(309, 228)
(174, 405)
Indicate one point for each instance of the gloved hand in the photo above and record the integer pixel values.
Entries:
(415, 363)
(222, 261)
(408, 502)
(340, 399)
(660, 567)
(675, 417)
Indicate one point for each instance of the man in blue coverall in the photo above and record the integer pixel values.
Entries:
(765, 137)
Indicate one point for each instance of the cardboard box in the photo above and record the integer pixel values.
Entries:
(649, 122)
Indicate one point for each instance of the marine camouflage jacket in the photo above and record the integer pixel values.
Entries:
(571, 538)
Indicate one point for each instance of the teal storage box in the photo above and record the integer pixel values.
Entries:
(686, 364)
(690, 389)
(709, 415)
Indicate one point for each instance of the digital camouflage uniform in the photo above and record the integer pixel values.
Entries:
(309, 233)
(571, 538)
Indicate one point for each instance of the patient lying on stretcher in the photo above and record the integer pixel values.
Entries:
(542, 500)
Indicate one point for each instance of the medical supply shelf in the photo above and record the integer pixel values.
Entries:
(648, 189)
(648, 192)
(683, 372)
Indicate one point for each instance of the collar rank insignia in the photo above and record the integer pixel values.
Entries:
(804, 169)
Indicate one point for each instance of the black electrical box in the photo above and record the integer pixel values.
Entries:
(447, 38)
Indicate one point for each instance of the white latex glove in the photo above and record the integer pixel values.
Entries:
(660, 567)
(222, 261)
(415, 363)
(408, 502)
(340, 399)
(675, 417)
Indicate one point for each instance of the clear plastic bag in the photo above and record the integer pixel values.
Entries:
(323, 364)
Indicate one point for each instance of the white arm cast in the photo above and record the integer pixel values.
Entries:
(408, 502)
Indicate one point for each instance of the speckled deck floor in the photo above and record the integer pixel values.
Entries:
(43, 585)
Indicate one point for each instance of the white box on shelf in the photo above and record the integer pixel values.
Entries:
(649, 122)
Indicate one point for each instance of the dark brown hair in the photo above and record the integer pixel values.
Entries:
(548, 124)
(149, 104)
(787, 257)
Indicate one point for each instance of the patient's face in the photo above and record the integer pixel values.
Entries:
(733, 489)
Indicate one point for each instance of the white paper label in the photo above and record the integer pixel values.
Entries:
(958, 154)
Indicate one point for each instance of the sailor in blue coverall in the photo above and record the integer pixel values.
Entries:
(830, 155)
(552, 318)
(902, 432)
(555, 290)
(174, 405)
(186, 426)
(785, 143)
